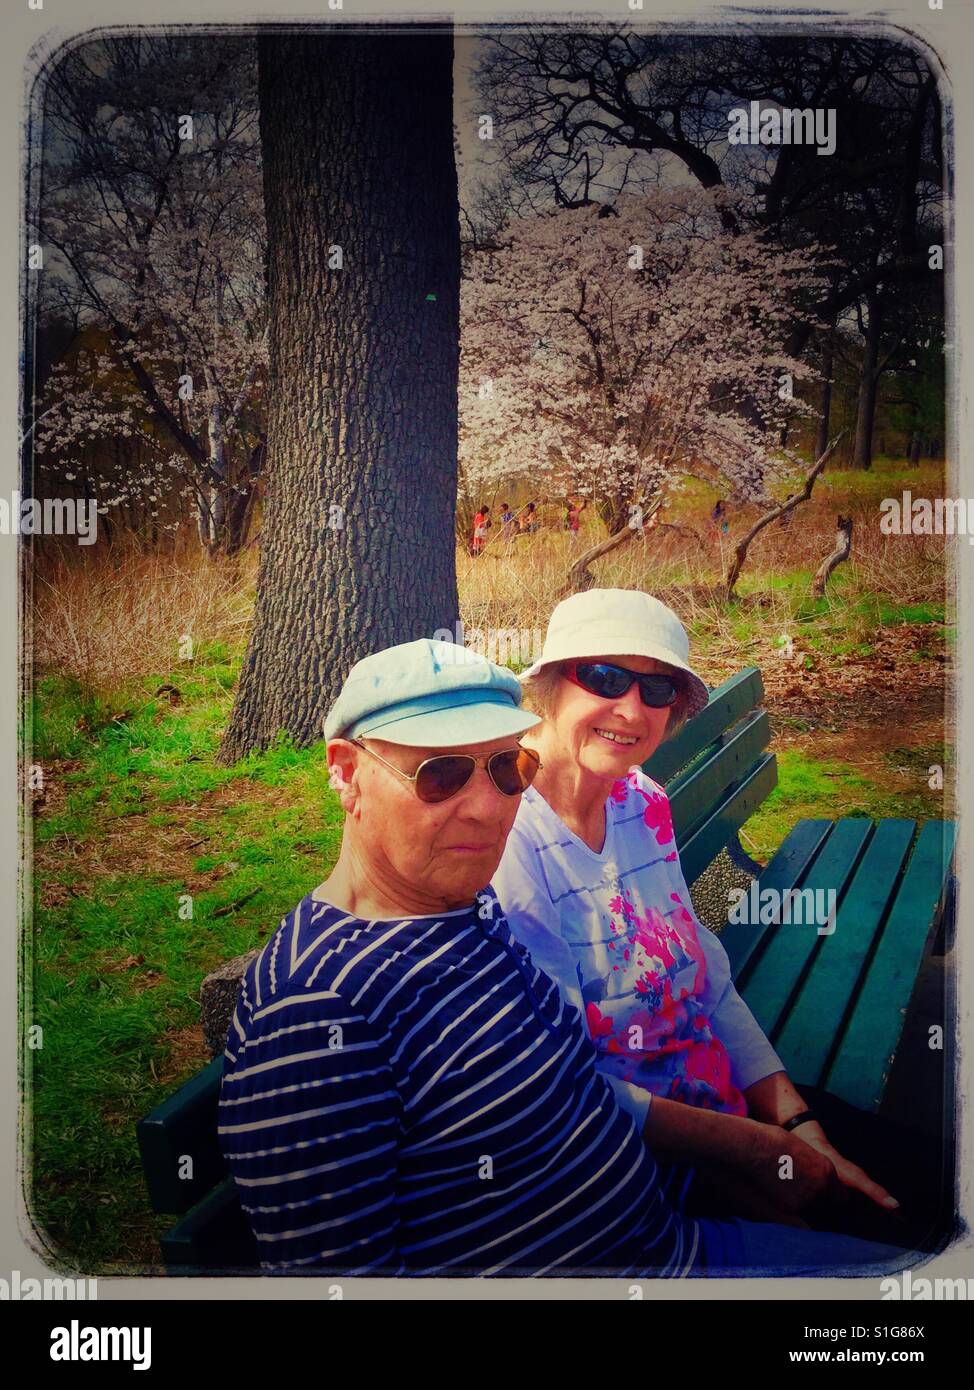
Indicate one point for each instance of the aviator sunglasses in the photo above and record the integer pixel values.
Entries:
(437, 779)
(610, 682)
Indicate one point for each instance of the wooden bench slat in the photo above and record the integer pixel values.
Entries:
(808, 1036)
(775, 975)
(214, 1235)
(184, 1124)
(708, 839)
(727, 704)
(861, 1067)
(695, 793)
(786, 869)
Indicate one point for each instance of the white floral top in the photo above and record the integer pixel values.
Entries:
(617, 930)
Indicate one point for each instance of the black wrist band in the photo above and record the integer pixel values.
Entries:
(799, 1119)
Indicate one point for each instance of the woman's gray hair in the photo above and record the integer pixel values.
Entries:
(540, 691)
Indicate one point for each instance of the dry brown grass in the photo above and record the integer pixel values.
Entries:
(112, 616)
(516, 585)
(115, 616)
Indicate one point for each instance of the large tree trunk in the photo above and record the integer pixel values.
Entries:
(868, 387)
(357, 547)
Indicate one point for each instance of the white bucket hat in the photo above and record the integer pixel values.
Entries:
(620, 622)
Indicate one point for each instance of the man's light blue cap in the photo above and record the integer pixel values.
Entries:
(428, 694)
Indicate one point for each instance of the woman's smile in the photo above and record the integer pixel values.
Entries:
(627, 740)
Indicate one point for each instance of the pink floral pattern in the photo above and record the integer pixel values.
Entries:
(666, 1043)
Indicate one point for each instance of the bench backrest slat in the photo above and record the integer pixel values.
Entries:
(728, 703)
(711, 835)
(183, 1127)
(695, 794)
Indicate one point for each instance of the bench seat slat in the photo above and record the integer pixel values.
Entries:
(770, 984)
(791, 861)
(862, 1064)
(809, 1034)
(214, 1235)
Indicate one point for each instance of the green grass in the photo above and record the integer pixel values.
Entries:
(810, 788)
(140, 813)
(110, 1020)
(844, 622)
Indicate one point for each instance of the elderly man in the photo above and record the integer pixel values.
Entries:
(404, 1090)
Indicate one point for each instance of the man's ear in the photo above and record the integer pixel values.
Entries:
(343, 759)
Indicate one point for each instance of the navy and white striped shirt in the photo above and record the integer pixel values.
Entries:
(414, 1097)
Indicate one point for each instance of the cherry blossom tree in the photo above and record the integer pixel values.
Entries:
(152, 221)
(609, 350)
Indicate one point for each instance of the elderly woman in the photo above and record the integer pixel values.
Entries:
(592, 885)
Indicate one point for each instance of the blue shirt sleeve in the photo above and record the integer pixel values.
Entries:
(309, 1122)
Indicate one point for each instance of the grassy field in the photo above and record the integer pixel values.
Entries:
(135, 814)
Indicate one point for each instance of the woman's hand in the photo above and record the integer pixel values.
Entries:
(774, 1099)
(848, 1173)
(807, 1182)
(743, 1154)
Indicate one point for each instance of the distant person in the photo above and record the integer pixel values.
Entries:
(480, 524)
(718, 517)
(507, 522)
(526, 521)
(573, 519)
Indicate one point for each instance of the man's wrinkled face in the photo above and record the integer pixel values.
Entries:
(445, 851)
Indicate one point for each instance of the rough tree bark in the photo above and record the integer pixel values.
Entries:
(357, 548)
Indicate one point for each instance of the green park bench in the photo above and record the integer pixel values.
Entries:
(833, 1004)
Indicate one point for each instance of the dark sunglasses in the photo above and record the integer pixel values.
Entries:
(437, 779)
(610, 682)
